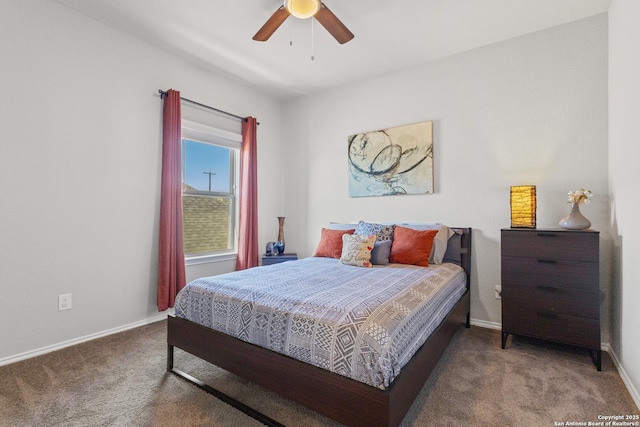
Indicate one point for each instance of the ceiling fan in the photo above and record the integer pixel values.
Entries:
(304, 9)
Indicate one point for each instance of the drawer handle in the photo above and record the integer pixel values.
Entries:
(548, 261)
(547, 234)
(548, 288)
(548, 315)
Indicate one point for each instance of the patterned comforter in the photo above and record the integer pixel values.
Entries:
(363, 323)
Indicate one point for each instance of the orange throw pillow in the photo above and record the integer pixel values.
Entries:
(412, 246)
(330, 245)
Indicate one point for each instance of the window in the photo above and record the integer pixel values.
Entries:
(210, 168)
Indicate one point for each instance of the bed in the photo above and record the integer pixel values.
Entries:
(379, 395)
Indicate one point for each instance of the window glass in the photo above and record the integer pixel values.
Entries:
(209, 183)
(207, 167)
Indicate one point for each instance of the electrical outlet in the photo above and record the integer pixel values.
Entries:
(498, 292)
(64, 302)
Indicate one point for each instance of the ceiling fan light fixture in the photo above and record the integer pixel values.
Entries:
(302, 9)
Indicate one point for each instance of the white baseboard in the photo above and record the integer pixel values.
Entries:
(59, 346)
(633, 391)
(485, 324)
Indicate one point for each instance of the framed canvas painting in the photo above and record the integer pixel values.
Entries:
(392, 161)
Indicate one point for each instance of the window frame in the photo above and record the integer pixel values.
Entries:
(201, 133)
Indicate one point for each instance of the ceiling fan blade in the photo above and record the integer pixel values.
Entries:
(272, 24)
(333, 25)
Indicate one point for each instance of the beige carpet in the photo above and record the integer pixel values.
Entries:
(120, 380)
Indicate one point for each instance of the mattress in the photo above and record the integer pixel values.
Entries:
(362, 323)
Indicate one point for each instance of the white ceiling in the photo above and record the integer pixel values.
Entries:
(389, 35)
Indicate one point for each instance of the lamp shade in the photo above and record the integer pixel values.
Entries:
(302, 9)
(523, 206)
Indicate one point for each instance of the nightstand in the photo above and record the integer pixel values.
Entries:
(551, 286)
(275, 259)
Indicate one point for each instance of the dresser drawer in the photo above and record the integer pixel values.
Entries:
(559, 273)
(534, 322)
(276, 259)
(551, 299)
(549, 244)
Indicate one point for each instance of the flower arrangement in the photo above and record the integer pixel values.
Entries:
(580, 196)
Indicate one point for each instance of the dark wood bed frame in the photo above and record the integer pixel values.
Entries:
(343, 399)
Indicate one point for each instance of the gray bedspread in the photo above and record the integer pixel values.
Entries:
(363, 323)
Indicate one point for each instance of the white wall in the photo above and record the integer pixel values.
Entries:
(80, 161)
(79, 171)
(624, 175)
(531, 110)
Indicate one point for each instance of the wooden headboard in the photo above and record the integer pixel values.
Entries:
(459, 250)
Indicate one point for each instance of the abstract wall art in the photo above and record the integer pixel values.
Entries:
(392, 161)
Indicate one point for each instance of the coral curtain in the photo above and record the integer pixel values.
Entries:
(248, 227)
(171, 270)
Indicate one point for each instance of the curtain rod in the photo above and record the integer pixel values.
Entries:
(163, 93)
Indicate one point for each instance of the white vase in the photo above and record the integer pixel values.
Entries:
(575, 220)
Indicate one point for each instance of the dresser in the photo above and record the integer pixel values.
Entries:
(551, 286)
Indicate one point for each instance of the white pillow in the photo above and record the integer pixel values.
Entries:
(356, 250)
(341, 226)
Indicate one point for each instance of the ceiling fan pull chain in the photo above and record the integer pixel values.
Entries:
(290, 33)
(312, 39)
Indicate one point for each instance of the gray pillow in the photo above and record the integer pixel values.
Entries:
(380, 252)
(454, 249)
